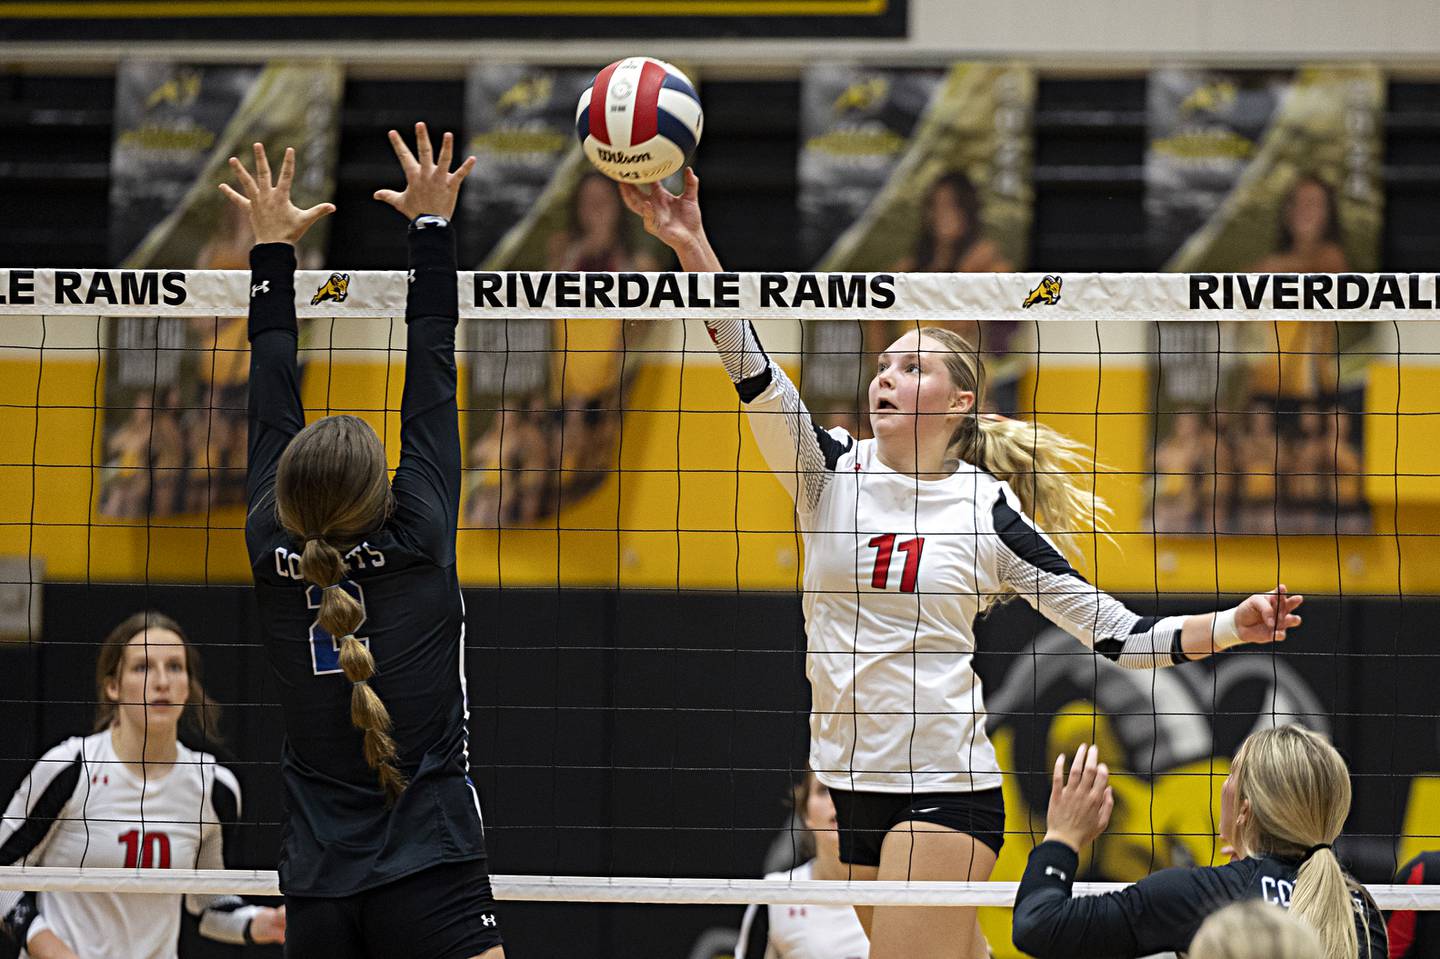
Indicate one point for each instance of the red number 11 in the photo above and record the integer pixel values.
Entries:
(886, 546)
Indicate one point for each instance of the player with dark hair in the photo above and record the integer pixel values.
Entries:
(1281, 809)
(131, 794)
(364, 624)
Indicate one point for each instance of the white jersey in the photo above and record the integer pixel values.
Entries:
(82, 806)
(801, 932)
(896, 570)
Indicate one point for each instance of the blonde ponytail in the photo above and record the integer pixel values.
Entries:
(1322, 898)
(1043, 466)
(1298, 788)
(331, 484)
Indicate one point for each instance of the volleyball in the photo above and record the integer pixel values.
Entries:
(646, 122)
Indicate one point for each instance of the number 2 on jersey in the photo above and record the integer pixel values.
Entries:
(885, 547)
(324, 650)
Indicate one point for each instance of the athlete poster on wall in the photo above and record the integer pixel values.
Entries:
(1259, 427)
(912, 170)
(175, 389)
(545, 397)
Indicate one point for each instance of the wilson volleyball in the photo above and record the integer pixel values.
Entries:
(639, 121)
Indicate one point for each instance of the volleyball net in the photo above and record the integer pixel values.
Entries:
(632, 569)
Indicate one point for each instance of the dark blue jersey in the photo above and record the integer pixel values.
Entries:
(1160, 913)
(341, 836)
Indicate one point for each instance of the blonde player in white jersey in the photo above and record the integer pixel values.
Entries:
(908, 537)
(807, 932)
(131, 795)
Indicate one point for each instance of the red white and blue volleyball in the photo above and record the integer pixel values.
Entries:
(640, 120)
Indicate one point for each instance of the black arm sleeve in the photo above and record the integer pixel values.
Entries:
(1159, 913)
(427, 481)
(275, 413)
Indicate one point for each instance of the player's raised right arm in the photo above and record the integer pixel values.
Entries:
(276, 413)
(801, 454)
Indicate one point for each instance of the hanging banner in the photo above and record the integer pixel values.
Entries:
(546, 396)
(175, 389)
(914, 171)
(1259, 429)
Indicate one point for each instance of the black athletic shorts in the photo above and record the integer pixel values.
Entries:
(864, 818)
(444, 912)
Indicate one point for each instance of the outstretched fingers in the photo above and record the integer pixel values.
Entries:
(447, 151)
(424, 152)
(247, 182)
(408, 163)
(234, 197)
(287, 171)
(262, 166)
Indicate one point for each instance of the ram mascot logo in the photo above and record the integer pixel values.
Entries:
(336, 288)
(1048, 292)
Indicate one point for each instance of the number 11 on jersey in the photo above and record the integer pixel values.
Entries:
(324, 649)
(885, 546)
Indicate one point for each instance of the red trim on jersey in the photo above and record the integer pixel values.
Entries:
(1402, 922)
(646, 121)
(600, 126)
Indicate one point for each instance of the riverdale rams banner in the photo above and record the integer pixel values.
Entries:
(175, 389)
(1258, 428)
(912, 170)
(490, 297)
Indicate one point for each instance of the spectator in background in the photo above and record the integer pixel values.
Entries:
(1254, 930)
(952, 240)
(130, 795)
(807, 932)
(1299, 362)
(1415, 934)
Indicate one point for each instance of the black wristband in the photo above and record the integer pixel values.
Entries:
(272, 288)
(434, 289)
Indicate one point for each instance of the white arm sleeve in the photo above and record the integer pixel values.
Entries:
(222, 918)
(1028, 563)
(801, 454)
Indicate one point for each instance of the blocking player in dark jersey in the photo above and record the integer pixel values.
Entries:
(1281, 809)
(130, 795)
(364, 623)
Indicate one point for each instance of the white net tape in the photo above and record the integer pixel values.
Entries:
(634, 891)
(794, 296)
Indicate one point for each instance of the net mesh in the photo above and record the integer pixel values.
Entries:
(636, 650)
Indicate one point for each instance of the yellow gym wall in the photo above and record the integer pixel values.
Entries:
(688, 480)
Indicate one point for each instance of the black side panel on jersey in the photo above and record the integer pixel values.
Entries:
(42, 815)
(830, 446)
(227, 810)
(1025, 541)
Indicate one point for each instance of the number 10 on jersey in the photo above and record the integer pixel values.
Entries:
(885, 547)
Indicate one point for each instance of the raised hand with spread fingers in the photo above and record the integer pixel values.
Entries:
(273, 217)
(430, 187)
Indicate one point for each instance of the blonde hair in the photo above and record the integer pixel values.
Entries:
(330, 491)
(1254, 930)
(1298, 788)
(1042, 465)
